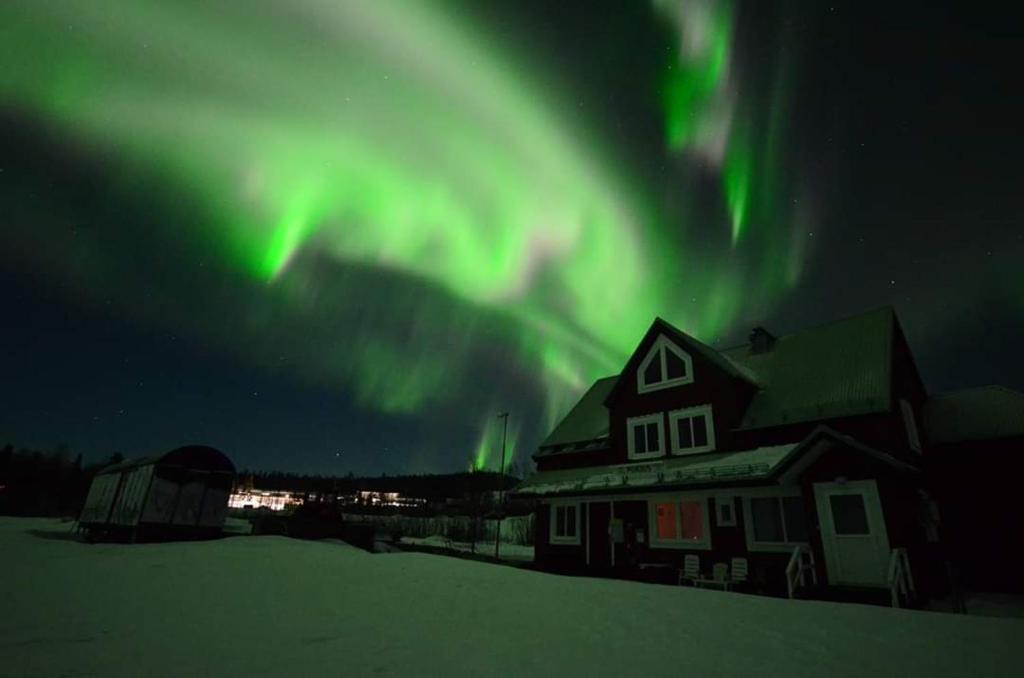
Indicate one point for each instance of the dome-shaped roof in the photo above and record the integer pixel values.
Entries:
(194, 457)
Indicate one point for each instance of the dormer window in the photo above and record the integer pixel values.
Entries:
(692, 429)
(666, 365)
(646, 438)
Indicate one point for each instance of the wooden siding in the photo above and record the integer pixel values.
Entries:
(727, 396)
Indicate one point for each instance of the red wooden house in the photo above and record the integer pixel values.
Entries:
(781, 451)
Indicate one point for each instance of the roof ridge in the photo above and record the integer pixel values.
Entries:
(959, 391)
(878, 309)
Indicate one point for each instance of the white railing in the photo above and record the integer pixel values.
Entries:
(901, 579)
(800, 564)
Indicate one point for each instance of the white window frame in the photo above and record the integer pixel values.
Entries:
(633, 422)
(748, 520)
(655, 542)
(910, 423)
(685, 413)
(657, 352)
(571, 540)
(720, 520)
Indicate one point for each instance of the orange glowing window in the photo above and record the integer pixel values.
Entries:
(666, 520)
(693, 521)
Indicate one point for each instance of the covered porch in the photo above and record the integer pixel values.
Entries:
(815, 519)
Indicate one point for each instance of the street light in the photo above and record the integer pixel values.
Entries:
(501, 486)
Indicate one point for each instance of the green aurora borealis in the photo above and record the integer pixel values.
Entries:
(316, 147)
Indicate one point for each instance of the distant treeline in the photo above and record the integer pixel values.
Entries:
(431, 487)
(44, 483)
(55, 483)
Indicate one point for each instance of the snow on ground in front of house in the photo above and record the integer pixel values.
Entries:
(505, 552)
(272, 606)
(995, 605)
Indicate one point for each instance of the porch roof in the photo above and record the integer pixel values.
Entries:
(703, 469)
(768, 464)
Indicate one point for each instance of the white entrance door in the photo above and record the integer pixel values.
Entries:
(853, 532)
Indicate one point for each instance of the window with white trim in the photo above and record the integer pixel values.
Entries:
(679, 522)
(911, 425)
(692, 429)
(666, 365)
(725, 512)
(775, 522)
(565, 524)
(645, 437)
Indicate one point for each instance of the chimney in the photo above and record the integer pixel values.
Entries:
(761, 340)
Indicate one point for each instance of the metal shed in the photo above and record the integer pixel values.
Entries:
(181, 494)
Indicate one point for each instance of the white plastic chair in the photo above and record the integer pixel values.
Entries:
(738, 571)
(720, 574)
(691, 569)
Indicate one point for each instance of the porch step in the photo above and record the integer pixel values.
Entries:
(863, 595)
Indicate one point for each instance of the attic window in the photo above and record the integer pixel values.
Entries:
(666, 365)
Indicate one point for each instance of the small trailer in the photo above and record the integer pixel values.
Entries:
(181, 494)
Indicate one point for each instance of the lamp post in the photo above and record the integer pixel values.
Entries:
(501, 487)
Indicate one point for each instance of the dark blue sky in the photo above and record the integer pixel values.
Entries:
(908, 122)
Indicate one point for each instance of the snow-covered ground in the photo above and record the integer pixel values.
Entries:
(271, 606)
(505, 551)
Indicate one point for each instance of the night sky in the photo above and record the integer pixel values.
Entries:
(336, 237)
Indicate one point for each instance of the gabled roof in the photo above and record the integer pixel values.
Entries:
(839, 369)
(587, 420)
(983, 413)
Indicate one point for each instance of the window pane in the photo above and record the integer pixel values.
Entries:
(700, 431)
(848, 514)
(559, 521)
(726, 512)
(674, 365)
(652, 438)
(693, 520)
(685, 436)
(767, 521)
(652, 375)
(796, 519)
(570, 521)
(639, 446)
(666, 517)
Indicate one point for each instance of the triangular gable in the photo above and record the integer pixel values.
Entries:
(660, 330)
(822, 439)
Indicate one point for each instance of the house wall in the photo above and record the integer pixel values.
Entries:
(767, 569)
(906, 384)
(575, 460)
(974, 483)
(558, 557)
(902, 509)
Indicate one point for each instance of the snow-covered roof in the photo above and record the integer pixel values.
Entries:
(587, 420)
(983, 413)
(838, 369)
(196, 457)
(716, 467)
